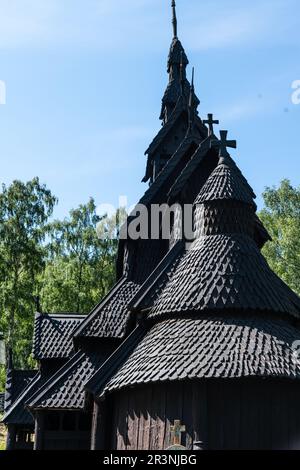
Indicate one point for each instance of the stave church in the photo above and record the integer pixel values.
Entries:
(193, 347)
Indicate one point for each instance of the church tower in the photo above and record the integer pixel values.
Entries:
(210, 364)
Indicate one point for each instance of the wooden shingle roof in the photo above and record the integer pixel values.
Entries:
(226, 182)
(225, 272)
(17, 413)
(52, 337)
(109, 318)
(65, 390)
(209, 347)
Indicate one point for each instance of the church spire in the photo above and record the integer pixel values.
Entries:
(177, 64)
(174, 19)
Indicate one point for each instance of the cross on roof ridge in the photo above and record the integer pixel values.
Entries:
(223, 143)
(210, 122)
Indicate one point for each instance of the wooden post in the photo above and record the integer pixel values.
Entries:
(39, 431)
(98, 427)
(11, 437)
(200, 417)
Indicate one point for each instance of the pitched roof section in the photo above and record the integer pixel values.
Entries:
(225, 272)
(154, 284)
(226, 182)
(20, 380)
(192, 165)
(210, 347)
(16, 382)
(174, 164)
(52, 337)
(109, 318)
(17, 413)
(65, 390)
(181, 107)
(97, 382)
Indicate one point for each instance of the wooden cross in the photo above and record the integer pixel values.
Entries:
(223, 143)
(176, 430)
(210, 121)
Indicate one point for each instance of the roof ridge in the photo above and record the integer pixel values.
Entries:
(115, 359)
(20, 397)
(73, 361)
(101, 304)
(156, 275)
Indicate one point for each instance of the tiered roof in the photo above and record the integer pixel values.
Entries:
(218, 309)
(52, 340)
(210, 309)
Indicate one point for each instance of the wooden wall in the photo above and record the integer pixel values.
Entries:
(62, 430)
(224, 414)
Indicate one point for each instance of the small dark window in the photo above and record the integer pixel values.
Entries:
(85, 422)
(69, 421)
(52, 422)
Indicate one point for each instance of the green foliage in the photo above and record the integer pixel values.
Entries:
(81, 266)
(24, 212)
(2, 378)
(67, 263)
(2, 435)
(281, 216)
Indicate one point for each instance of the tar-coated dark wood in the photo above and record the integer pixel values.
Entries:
(223, 414)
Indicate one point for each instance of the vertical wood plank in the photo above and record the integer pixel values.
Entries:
(146, 434)
(200, 413)
(39, 431)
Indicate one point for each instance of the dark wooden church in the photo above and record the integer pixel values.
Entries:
(193, 346)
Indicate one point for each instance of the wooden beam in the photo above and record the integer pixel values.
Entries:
(39, 431)
(98, 439)
(11, 437)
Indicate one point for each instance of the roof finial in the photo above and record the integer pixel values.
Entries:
(192, 91)
(181, 73)
(174, 20)
(191, 103)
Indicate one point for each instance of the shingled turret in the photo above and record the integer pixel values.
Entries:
(216, 322)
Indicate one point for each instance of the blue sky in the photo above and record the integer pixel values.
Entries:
(84, 80)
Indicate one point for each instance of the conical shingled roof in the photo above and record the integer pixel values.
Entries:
(226, 182)
(224, 269)
(225, 272)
